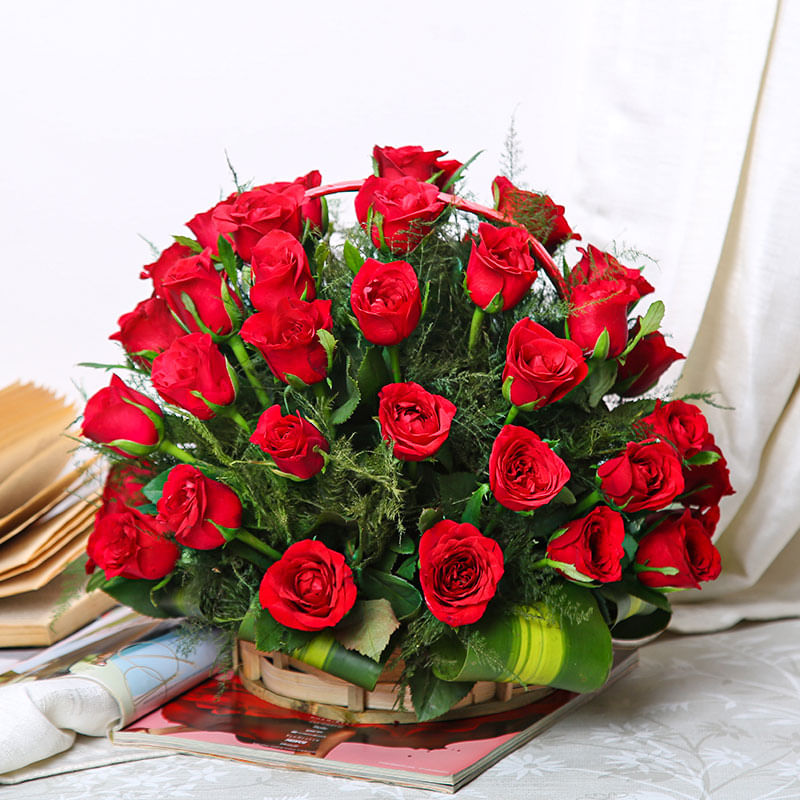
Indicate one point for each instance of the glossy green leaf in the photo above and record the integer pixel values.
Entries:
(404, 597)
(433, 697)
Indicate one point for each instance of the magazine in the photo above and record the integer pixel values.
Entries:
(221, 718)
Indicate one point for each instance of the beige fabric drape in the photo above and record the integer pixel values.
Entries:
(748, 349)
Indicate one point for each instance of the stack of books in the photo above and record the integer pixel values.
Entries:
(46, 509)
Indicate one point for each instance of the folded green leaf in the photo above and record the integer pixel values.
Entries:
(368, 627)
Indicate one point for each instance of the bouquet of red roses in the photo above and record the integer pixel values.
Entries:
(422, 439)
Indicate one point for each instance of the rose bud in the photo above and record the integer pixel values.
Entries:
(677, 554)
(132, 545)
(707, 484)
(540, 368)
(124, 420)
(646, 476)
(414, 162)
(403, 211)
(194, 375)
(595, 265)
(205, 229)
(311, 210)
(524, 473)
(163, 264)
(193, 505)
(292, 441)
(287, 337)
(681, 424)
(309, 588)
(590, 548)
(599, 306)
(199, 297)
(386, 301)
(255, 213)
(535, 212)
(459, 569)
(147, 330)
(500, 264)
(416, 422)
(645, 364)
(280, 269)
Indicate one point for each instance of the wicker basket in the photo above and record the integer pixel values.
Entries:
(284, 681)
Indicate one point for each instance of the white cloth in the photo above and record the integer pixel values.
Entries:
(40, 718)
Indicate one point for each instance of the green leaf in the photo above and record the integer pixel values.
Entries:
(352, 398)
(352, 257)
(601, 378)
(428, 518)
(148, 508)
(96, 581)
(460, 171)
(271, 635)
(404, 597)
(648, 324)
(472, 511)
(455, 489)
(404, 545)
(328, 341)
(153, 490)
(638, 589)
(432, 696)
(408, 568)
(601, 346)
(565, 497)
(703, 458)
(193, 245)
(368, 627)
(136, 594)
(372, 373)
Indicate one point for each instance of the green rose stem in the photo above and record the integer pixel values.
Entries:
(394, 360)
(591, 499)
(166, 446)
(475, 329)
(231, 413)
(253, 541)
(511, 416)
(237, 345)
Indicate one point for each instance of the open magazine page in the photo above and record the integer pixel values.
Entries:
(219, 717)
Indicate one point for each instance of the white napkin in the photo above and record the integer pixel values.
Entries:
(41, 718)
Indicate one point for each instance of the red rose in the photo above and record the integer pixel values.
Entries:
(645, 364)
(707, 484)
(500, 263)
(309, 588)
(416, 422)
(203, 226)
(124, 420)
(541, 367)
(287, 338)
(681, 547)
(534, 211)
(414, 162)
(599, 266)
(311, 210)
(280, 269)
(292, 441)
(599, 306)
(682, 424)
(131, 544)
(646, 476)
(590, 547)
(459, 569)
(386, 301)
(524, 473)
(194, 375)
(193, 505)
(263, 209)
(147, 330)
(403, 211)
(123, 486)
(163, 264)
(210, 307)
(708, 518)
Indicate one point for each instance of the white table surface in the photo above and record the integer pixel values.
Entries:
(708, 716)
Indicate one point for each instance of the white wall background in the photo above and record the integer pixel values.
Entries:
(116, 119)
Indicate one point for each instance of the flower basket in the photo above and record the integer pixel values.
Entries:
(410, 466)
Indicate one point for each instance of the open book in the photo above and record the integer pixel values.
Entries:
(219, 717)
